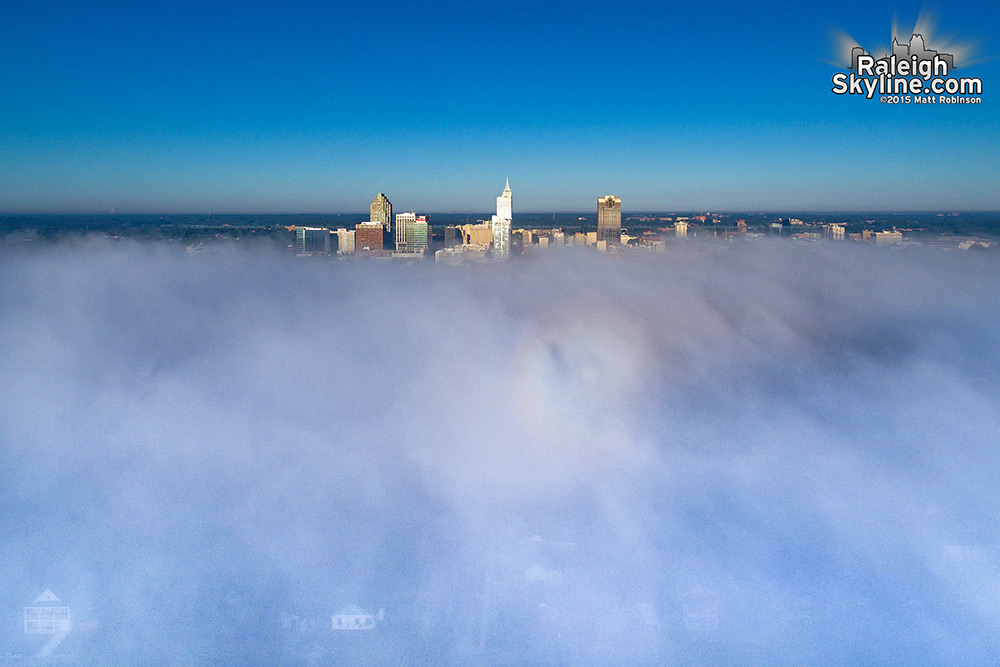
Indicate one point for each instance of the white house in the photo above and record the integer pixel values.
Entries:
(47, 616)
(294, 624)
(701, 609)
(353, 617)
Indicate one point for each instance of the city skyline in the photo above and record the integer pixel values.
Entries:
(289, 378)
(190, 110)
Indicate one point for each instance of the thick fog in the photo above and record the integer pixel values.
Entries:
(778, 454)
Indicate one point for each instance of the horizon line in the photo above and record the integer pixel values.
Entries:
(789, 211)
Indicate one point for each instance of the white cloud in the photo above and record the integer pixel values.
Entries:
(806, 433)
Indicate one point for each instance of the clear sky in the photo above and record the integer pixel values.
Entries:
(315, 107)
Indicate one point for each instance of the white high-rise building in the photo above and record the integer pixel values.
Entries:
(500, 224)
(404, 224)
(504, 203)
(412, 233)
(345, 241)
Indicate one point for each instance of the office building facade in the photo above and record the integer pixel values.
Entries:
(412, 233)
(369, 236)
(381, 211)
(345, 241)
(312, 240)
(609, 220)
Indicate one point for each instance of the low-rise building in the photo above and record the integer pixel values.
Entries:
(888, 238)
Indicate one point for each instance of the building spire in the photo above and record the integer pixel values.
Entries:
(507, 186)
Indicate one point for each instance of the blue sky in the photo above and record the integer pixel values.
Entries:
(308, 107)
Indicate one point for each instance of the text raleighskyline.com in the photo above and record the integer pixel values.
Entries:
(904, 76)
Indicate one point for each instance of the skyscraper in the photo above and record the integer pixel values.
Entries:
(504, 202)
(402, 220)
(500, 224)
(478, 234)
(381, 211)
(609, 220)
(411, 233)
(369, 236)
(345, 240)
(312, 240)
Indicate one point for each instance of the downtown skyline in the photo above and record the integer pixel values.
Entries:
(268, 110)
(510, 334)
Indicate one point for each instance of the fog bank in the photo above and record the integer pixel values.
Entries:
(776, 454)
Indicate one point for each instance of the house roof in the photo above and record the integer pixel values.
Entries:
(352, 610)
(47, 596)
(700, 592)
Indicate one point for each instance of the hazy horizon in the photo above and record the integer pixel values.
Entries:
(485, 211)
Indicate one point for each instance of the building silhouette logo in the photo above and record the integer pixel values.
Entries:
(914, 48)
(913, 70)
